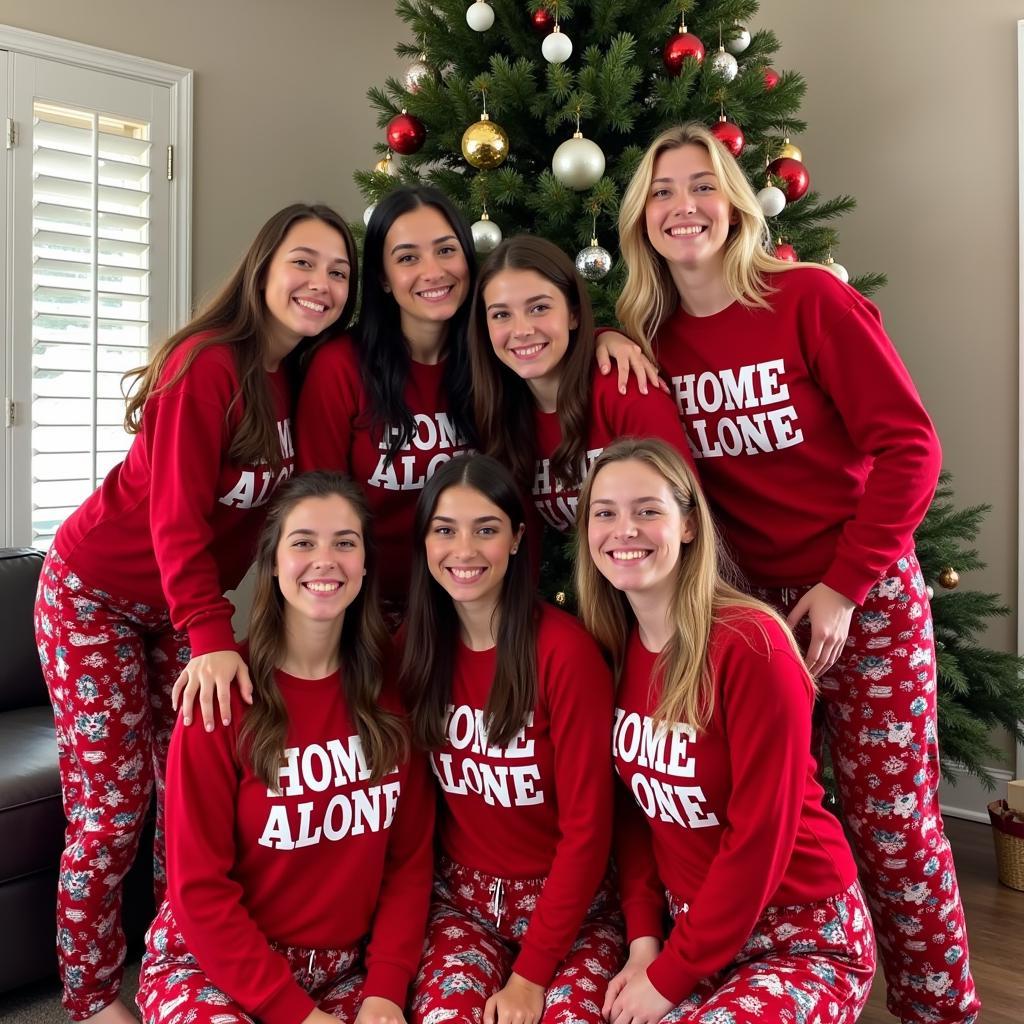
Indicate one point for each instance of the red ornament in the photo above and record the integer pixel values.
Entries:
(543, 21)
(771, 78)
(784, 251)
(678, 48)
(730, 135)
(406, 134)
(794, 174)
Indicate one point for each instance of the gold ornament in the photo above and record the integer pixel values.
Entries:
(485, 144)
(949, 578)
(386, 165)
(560, 597)
(791, 151)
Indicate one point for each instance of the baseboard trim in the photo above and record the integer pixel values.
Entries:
(968, 798)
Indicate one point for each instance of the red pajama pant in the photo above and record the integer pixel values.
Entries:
(881, 725)
(109, 665)
(470, 949)
(173, 988)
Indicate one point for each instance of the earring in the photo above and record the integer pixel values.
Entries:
(514, 549)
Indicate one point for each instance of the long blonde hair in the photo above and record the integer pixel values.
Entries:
(701, 598)
(649, 295)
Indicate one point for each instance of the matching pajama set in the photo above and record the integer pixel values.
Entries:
(524, 833)
(133, 586)
(820, 462)
(724, 828)
(334, 431)
(281, 901)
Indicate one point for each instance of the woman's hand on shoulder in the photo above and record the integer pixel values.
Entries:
(211, 675)
(830, 614)
(519, 1002)
(629, 358)
(374, 1010)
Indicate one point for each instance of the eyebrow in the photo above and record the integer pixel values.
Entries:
(413, 245)
(635, 501)
(313, 252)
(303, 532)
(693, 177)
(532, 298)
(480, 519)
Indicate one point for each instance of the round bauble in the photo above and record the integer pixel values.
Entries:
(543, 21)
(406, 134)
(578, 163)
(486, 234)
(794, 174)
(368, 213)
(557, 47)
(594, 261)
(678, 48)
(725, 64)
(790, 151)
(772, 200)
(729, 134)
(838, 269)
(784, 251)
(386, 165)
(949, 578)
(485, 144)
(771, 78)
(740, 41)
(415, 75)
(480, 16)
(929, 591)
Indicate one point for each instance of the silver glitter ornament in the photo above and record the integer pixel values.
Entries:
(578, 163)
(594, 261)
(415, 74)
(486, 234)
(725, 64)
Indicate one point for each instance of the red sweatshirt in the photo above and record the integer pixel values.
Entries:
(176, 523)
(329, 859)
(333, 432)
(541, 806)
(811, 438)
(729, 820)
(611, 416)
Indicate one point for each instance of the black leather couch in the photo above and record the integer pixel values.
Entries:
(31, 813)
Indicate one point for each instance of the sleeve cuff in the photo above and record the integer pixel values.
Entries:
(387, 981)
(535, 966)
(644, 920)
(291, 1005)
(212, 634)
(849, 581)
(670, 978)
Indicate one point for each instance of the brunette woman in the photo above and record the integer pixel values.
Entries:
(514, 702)
(131, 593)
(820, 461)
(720, 811)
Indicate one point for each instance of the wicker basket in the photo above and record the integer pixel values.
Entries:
(1008, 835)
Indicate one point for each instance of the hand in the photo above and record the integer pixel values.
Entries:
(211, 674)
(377, 1010)
(628, 356)
(830, 614)
(319, 1016)
(638, 1002)
(641, 953)
(519, 1002)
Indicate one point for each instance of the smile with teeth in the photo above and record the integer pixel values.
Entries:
(432, 294)
(631, 555)
(528, 351)
(467, 574)
(686, 230)
(316, 307)
(322, 586)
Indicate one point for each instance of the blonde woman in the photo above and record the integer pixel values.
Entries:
(720, 808)
(820, 460)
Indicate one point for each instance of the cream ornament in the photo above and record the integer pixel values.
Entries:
(557, 46)
(368, 213)
(740, 41)
(838, 269)
(480, 16)
(486, 234)
(772, 200)
(578, 163)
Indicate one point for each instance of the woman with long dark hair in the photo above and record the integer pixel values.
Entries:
(541, 405)
(298, 838)
(513, 701)
(720, 817)
(131, 604)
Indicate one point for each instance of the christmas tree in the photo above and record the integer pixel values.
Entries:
(532, 116)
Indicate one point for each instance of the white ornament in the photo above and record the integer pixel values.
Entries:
(578, 163)
(480, 16)
(368, 213)
(486, 234)
(739, 42)
(725, 64)
(772, 200)
(557, 47)
(838, 269)
(415, 75)
(594, 261)
(929, 591)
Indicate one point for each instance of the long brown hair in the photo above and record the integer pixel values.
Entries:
(238, 317)
(432, 624)
(701, 597)
(503, 404)
(360, 649)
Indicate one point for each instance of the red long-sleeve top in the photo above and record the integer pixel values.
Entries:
(611, 416)
(543, 804)
(333, 431)
(175, 524)
(811, 439)
(330, 858)
(730, 819)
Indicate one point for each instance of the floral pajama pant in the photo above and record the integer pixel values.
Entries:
(109, 665)
(801, 964)
(881, 726)
(470, 949)
(173, 989)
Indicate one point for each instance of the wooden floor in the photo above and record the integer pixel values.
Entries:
(995, 929)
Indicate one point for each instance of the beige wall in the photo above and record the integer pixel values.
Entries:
(912, 108)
